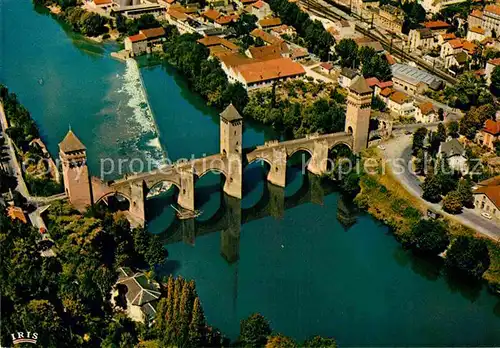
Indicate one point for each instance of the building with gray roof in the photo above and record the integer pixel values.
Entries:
(413, 80)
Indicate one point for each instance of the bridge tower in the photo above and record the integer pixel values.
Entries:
(231, 136)
(357, 123)
(73, 156)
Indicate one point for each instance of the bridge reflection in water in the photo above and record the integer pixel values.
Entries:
(230, 216)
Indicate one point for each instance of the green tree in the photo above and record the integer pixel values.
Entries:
(197, 325)
(245, 24)
(431, 189)
(254, 330)
(347, 53)
(497, 147)
(452, 202)
(418, 139)
(495, 81)
(320, 342)
(441, 132)
(429, 236)
(474, 120)
(453, 128)
(350, 184)
(469, 255)
(280, 341)
(464, 188)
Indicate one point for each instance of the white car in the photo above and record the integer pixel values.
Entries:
(486, 216)
(381, 147)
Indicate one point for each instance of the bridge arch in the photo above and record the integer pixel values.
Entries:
(298, 149)
(105, 199)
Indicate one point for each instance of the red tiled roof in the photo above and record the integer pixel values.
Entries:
(390, 59)
(102, 2)
(492, 127)
(456, 43)
(495, 61)
(266, 52)
(385, 84)
(223, 20)
(326, 65)
(137, 37)
(436, 25)
(477, 30)
(180, 16)
(480, 72)
(211, 14)
(386, 92)
(372, 81)
(270, 70)
(16, 213)
(477, 13)
(259, 4)
(469, 46)
(448, 36)
(153, 32)
(399, 97)
(426, 108)
(492, 9)
(492, 192)
(270, 22)
(266, 37)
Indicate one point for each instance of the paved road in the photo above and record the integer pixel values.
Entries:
(310, 72)
(400, 149)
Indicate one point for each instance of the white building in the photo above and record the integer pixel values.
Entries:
(401, 104)
(434, 6)
(346, 76)
(259, 9)
(454, 152)
(425, 113)
(490, 66)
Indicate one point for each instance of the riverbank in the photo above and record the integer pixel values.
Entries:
(383, 197)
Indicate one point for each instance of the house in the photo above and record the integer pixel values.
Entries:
(475, 18)
(259, 9)
(326, 67)
(425, 113)
(145, 41)
(378, 86)
(269, 52)
(139, 9)
(218, 46)
(451, 47)
(269, 23)
(413, 80)
(454, 152)
(344, 29)
(244, 3)
(491, 18)
(179, 19)
(490, 66)
(437, 27)
(346, 77)
(254, 73)
(299, 54)
(487, 197)
(283, 30)
(105, 5)
(16, 213)
(136, 293)
(211, 15)
(401, 104)
(421, 38)
(476, 33)
(489, 134)
(225, 20)
(442, 38)
(367, 42)
(266, 37)
(388, 17)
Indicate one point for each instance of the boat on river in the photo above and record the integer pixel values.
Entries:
(184, 214)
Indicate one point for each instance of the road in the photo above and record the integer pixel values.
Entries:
(398, 150)
(317, 76)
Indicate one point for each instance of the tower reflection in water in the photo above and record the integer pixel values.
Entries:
(230, 215)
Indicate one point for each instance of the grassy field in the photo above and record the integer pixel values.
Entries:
(387, 200)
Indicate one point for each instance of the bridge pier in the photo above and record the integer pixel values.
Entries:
(319, 159)
(186, 192)
(277, 173)
(137, 202)
(234, 177)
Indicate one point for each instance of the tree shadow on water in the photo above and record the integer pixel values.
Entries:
(470, 288)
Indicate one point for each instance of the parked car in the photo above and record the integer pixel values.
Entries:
(486, 216)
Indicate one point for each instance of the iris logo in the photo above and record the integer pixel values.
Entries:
(24, 337)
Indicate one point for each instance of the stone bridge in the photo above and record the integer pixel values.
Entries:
(84, 190)
(317, 146)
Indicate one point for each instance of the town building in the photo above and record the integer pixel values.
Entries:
(283, 30)
(454, 153)
(442, 38)
(491, 18)
(255, 73)
(268, 23)
(134, 11)
(437, 27)
(398, 102)
(388, 17)
(244, 3)
(476, 34)
(346, 77)
(269, 52)
(266, 37)
(487, 197)
(144, 42)
(490, 66)
(413, 80)
(141, 295)
(425, 113)
(218, 46)
(326, 67)
(422, 39)
(475, 19)
(259, 9)
(377, 86)
(489, 134)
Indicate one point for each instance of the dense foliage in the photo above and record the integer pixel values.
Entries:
(429, 237)
(132, 26)
(474, 120)
(317, 39)
(469, 255)
(469, 90)
(349, 55)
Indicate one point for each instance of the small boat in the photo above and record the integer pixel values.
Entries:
(40, 81)
(184, 214)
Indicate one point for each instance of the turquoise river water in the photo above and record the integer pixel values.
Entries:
(283, 253)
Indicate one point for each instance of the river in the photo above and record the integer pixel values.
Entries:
(279, 252)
